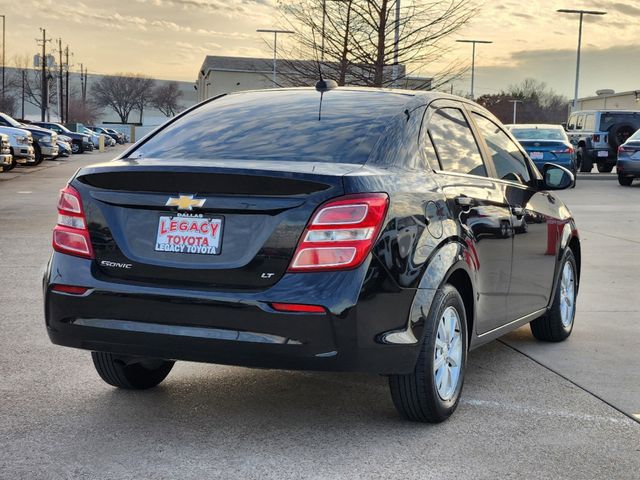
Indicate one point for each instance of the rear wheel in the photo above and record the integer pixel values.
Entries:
(432, 391)
(584, 161)
(625, 181)
(130, 372)
(605, 167)
(556, 325)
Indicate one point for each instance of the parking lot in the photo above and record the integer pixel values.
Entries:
(529, 410)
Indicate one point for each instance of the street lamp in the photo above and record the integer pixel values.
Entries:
(3, 62)
(473, 59)
(275, 46)
(515, 108)
(582, 14)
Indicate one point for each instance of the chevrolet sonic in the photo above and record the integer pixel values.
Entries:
(334, 229)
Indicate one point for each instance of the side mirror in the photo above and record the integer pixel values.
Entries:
(556, 177)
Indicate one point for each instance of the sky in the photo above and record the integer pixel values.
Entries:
(169, 38)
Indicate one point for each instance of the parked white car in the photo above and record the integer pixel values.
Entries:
(95, 138)
(21, 144)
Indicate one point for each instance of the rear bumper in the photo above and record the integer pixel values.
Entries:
(235, 328)
(628, 167)
(597, 155)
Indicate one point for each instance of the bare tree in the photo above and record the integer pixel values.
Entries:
(82, 112)
(32, 83)
(359, 40)
(122, 93)
(540, 104)
(166, 99)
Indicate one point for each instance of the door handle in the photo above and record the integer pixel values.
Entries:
(517, 211)
(465, 201)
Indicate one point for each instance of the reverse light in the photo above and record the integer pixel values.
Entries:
(70, 235)
(297, 308)
(340, 233)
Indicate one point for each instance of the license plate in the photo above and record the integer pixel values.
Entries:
(189, 235)
(603, 153)
(537, 155)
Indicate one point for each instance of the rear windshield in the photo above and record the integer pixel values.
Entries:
(539, 134)
(285, 125)
(610, 118)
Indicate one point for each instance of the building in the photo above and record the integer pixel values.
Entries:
(219, 74)
(608, 99)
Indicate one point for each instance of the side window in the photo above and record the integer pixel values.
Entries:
(589, 122)
(580, 122)
(571, 123)
(455, 145)
(507, 158)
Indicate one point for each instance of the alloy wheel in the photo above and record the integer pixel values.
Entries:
(567, 294)
(447, 362)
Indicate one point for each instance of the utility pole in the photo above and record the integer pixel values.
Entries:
(24, 74)
(66, 94)
(81, 84)
(61, 93)
(84, 87)
(473, 60)
(582, 14)
(43, 86)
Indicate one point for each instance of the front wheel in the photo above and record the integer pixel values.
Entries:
(431, 392)
(130, 372)
(556, 325)
(625, 181)
(39, 156)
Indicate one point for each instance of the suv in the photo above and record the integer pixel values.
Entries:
(597, 134)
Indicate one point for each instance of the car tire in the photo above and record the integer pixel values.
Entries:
(556, 325)
(39, 156)
(12, 165)
(585, 163)
(625, 181)
(76, 148)
(119, 372)
(605, 168)
(418, 396)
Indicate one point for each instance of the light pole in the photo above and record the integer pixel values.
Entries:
(396, 44)
(515, 109)
(473, 60)
(275, 46)
(582, 14)
(3, 62)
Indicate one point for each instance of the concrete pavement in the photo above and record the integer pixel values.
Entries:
(518, 419)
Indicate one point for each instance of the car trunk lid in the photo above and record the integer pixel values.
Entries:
(154, 221)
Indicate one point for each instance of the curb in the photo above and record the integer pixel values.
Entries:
(597, 176)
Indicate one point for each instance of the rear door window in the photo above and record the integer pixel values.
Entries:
(510, 163)
(454, 142)
(589, 122)
(580, 122)
(571, 124)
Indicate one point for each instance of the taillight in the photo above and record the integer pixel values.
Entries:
(70, 235)
(341, 233)
(596, 138)
(566, 150)
(69, 289)
(622, 149)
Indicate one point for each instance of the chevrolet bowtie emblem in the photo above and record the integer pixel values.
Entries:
(185, 202)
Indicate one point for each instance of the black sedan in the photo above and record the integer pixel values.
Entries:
(334, 229)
